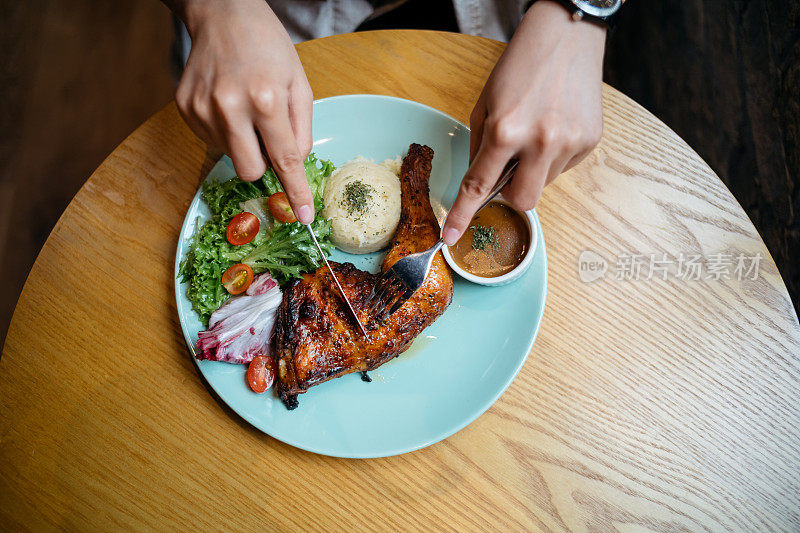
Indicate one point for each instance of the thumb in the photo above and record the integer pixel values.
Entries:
(478, 182)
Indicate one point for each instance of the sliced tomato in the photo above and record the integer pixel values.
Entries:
(243, 228)
(261, 373)
(237, 278)
(280, 208)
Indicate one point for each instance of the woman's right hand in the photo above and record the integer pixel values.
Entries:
(243, 80)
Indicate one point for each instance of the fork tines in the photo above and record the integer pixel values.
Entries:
(388, 293)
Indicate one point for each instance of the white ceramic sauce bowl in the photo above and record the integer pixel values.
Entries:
(520, 269)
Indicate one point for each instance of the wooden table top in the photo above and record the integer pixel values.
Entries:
(645, 403)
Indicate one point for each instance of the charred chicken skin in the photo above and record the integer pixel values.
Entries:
(316, 338)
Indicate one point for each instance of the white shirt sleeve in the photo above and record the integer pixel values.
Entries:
(495, 19)
(312, 19)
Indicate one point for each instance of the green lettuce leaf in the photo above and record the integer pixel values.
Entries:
(286, 252)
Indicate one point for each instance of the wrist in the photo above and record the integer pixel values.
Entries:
(548, 25)
(193, 13)
(555, 16)
(196, 14)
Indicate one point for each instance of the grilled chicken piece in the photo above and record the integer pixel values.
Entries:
(316, 337)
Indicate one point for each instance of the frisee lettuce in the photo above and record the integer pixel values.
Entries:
(286, 251)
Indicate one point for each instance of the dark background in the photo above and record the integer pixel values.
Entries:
(77, 77)
(725, 75)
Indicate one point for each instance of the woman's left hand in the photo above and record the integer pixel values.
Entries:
(541, 105)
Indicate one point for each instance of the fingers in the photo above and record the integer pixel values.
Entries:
(541, 160)
(526, 187)
(197, 126)
(537, 168)
(287, 161)
(231, 118)
(580, 156)
(301, 104)
(478, 182)
(243, 80)
(233, 114)
(476, 121)
(245, 151)
(221, 118)
(196, 112)
(559, 165)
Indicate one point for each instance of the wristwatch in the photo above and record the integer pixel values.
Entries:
(601, 12)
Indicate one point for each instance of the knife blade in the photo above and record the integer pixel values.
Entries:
(262, 146)
(336, 280)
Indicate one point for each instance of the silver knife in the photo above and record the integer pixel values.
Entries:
(262, 146)
(336, 280)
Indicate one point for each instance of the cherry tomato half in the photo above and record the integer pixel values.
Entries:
(280, 208)
(242, 228)
(237, 278)
(261, 373)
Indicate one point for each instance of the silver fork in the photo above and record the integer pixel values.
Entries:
(401, 281)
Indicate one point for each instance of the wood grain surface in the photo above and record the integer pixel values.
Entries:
(76, 78)
(666, 405)
(725, 76)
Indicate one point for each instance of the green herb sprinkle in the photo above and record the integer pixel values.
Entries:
(483, 236)
(357, 196)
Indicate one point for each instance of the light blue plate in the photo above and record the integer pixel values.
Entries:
(454, 371)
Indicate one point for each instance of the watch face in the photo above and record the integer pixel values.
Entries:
(598, 8)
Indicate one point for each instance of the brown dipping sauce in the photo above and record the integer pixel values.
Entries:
(500, 244)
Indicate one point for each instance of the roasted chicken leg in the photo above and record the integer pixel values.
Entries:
(316, 339)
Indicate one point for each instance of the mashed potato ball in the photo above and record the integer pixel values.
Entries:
(362, 201)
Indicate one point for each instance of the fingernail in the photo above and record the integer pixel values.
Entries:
(450, 236)
(305, 214)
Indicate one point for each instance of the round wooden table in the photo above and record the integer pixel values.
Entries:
(653, 399)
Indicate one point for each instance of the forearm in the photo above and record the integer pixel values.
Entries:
(244, 89)
(541, 106)
(180, 8)
(194, 13)
(548, 27)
